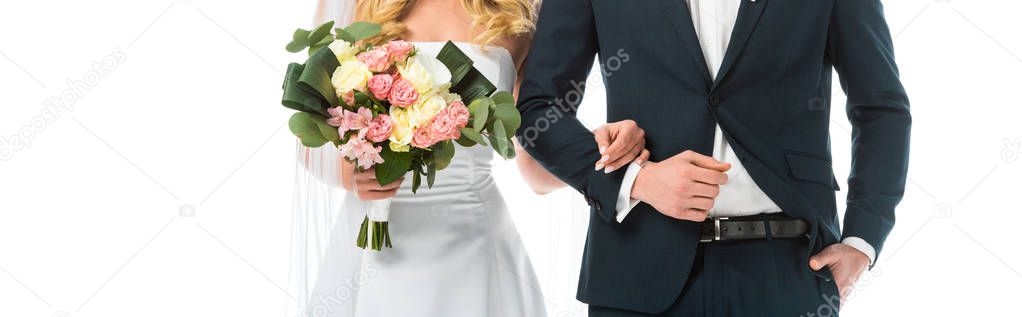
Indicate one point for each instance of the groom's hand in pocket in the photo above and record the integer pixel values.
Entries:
(683, 186)
(368, 188)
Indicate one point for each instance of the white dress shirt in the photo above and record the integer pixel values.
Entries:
(714, 20)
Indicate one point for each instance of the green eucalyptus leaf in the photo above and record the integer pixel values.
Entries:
(309, 128)
(362, 30)
(325, 41)
(344, 35)
(443, 153)
(295, 47)
(315, 48)
(395, 165)
(501, 143)
(502, 98)
(321, 32)
(480, 110)
(510, 117)
(479, 118)
(472, 135)
(299, 41)
(465, 141)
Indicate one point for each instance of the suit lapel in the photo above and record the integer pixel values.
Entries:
(748, 17)
(678, 13)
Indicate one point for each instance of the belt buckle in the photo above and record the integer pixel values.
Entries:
(716, 231)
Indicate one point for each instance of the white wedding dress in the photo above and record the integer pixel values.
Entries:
(455, 252)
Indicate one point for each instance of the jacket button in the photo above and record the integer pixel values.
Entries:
(714, 100)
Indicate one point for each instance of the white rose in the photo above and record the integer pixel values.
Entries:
(343, 50)
(401, 135)
(450, 97)
(426, 73)
(350, 75)
(416, 74)
(423, 111)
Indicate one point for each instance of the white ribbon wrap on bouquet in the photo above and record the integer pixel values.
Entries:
(379, 210)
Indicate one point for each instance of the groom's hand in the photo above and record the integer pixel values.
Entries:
(683, 186)
(845, 262)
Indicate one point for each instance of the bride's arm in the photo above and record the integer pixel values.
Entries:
(541, 181)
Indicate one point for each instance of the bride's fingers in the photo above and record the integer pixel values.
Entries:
(643, 157)
(376, 195)
(624, 158)
(602, 136)
(618, 147)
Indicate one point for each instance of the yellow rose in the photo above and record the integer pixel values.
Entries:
(399, 148)
(343, 50)
(401, 135)
(350, 75)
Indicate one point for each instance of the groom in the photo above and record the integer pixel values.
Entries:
(735, 213)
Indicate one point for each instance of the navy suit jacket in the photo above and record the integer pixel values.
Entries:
(771, 98)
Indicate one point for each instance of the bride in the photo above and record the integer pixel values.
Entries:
(456, 251)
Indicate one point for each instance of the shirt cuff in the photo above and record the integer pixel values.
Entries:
(862, 246)
(625, 203)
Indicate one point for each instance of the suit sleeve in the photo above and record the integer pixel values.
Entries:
(559, 61)
(861, 49)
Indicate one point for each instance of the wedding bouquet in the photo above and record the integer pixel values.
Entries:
(392, 109)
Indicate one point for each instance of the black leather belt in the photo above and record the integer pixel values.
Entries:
(752, 227)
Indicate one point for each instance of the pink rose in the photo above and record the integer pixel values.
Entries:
(402, 94)
(424, 138)
(447, 123)
(459, 113)
(377, 59)
(363, 153)
(399, 50)
(380, 128)
(379, 85)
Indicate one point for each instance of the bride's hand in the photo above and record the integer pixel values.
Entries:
(620, 143)
(367, 188)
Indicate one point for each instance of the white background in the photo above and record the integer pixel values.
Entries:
(164, 189)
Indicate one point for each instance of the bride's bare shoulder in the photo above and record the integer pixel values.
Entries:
(518, 46)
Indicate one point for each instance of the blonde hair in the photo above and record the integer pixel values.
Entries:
(498, 18)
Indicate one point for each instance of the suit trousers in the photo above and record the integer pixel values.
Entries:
(740, 278)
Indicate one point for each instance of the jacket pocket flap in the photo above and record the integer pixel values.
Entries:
(811, 169)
